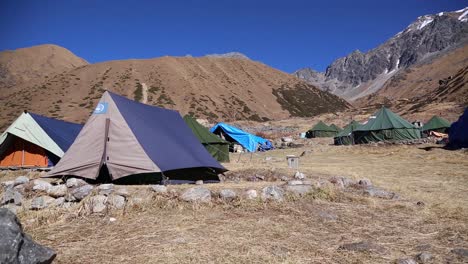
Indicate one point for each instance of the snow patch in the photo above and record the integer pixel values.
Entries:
(386, 71)
(425, 22)
(461, 10)
(463, 18)
(398, 64)
(441, 14)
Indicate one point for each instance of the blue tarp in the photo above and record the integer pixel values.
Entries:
(165, 137)
(247, 140)
(458, 132)
(61, 132)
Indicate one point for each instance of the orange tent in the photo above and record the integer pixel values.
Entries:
(21, 153)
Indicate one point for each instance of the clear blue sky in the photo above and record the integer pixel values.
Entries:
(287, 35)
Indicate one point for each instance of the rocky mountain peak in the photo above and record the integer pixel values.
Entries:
(235, 55)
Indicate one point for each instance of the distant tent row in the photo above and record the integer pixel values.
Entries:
(322, 130)
(36, 141)
(249, 141)
(123, 138)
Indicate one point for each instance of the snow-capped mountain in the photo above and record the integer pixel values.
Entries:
(360, 74)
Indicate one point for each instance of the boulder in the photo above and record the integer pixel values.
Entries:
(18, 247)
(12, 196)
(8, 184)
(295, 182)
(58, 190)
(21, 180)
(299, 189)
(97, 203)
(158, 188)
(75, 182)
(81, 192)
(196, 194)
(41, 202)
(362, 246)
(227, 194)
(40, 185)
(116, 201)
(299, 175)
(199, 182)
(424, 257)
(406, 261)
(250, 194)
(105, 189)
(272, 193)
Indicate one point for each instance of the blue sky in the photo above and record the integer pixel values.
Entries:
(287, 35)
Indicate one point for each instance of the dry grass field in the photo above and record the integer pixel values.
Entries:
(299, 230)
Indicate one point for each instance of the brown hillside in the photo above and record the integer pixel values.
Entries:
(214, 88)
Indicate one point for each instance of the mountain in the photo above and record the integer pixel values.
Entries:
(236, 55)
(360, 74)
(216, 88)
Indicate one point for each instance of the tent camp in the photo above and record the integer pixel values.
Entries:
(337, 128)
(124, 140)
(345, 137)
(217, 147)
(385, 126)
(321, 130)
(458, 132)
(36, 141)
(436, 124)
(250, 142)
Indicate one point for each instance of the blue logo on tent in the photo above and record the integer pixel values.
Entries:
(101, 108)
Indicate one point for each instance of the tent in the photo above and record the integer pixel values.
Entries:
(458, 132)
(126, 141)
(436, 124)
(36, 141)
(345, 137)
(250, 142)
(385, 125)
(217, 147)
(321, 130)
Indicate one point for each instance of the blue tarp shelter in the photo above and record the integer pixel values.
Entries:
(249, 141)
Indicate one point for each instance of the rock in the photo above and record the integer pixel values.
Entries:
(12, 196)
(116, 201)
(406, 261)
(97, 203)
(299, 189)
(420, 204)
(20, 188)
(70, 198)
(365, 183)
(18, 247)
(81, 192)
(199, 182)
(341, 182)
(424, 257)
(461, 252)
(58, 191)
(158, 188)
(362, 246)
(299, 175)
(287, 139)
(59, 202)
(295, 182)
(259, 177)
(41, 202)
(21, 180)
(8, 184)
(122, 191)
(379, 193)
(284, 178)
(105, 189)
(112, 219)
(272, 193)
(250, 194)
(227, 194)
(40, 185)
(12, 207)
(75, 182)
(196, 194)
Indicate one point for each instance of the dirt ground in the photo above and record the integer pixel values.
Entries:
(299, 230)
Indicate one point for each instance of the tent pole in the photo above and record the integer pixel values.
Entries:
(22, 155)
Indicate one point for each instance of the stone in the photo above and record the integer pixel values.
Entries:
(299, 189)
(259, 177)
(59, 202)
(379, 193)
(81, 192)
(40, 185)
(18, 247)
(299, 175)
(284, 178)
(97, 203)
(70, 198)
(105, 189)
(199, 182)
(227, 194)
(21, 180)
(12, 207)
(158, 188)
(122, 191)
(272, 193)
(75, 182)
(20, 188)
(116, 201)
(295, 182)
(12, 196)
(461, 252)
(41, 202)
(250, 194)
(58, 191)
(362, 246)
(364, 183)
(8, 184)
(196, 194)
(287, 139)
(424, 257)
(406, 261)
(112, 219)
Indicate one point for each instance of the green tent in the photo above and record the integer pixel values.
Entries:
(337, 128)
(345, 135)
(437, 124)
(216, 146)
(385, 126)
(321, 130)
